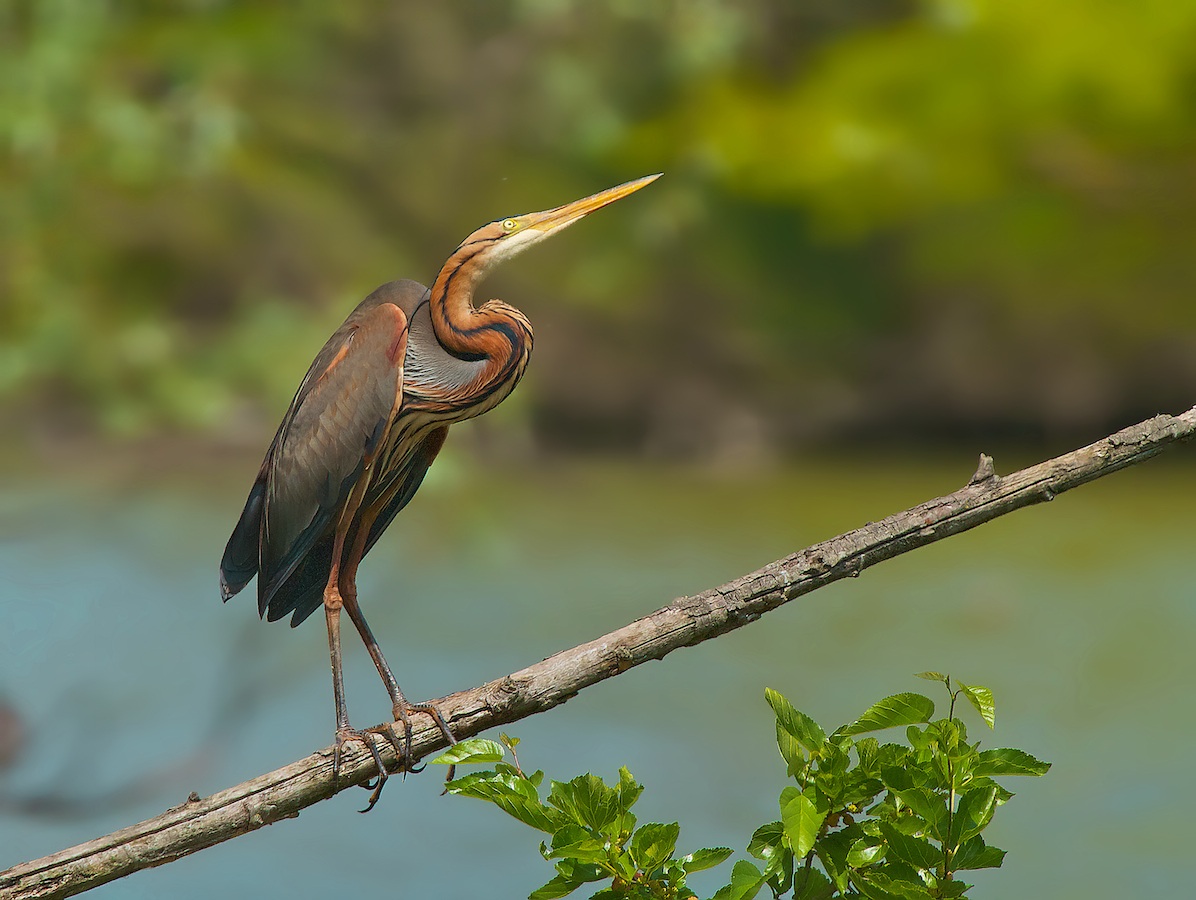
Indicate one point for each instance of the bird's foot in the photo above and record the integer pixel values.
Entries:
(344, 734)
(402, 746)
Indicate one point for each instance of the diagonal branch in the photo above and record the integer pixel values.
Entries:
(281, 794)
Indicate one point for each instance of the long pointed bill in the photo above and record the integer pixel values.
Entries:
(553, 220)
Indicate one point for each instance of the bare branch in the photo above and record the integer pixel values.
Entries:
(202, 822)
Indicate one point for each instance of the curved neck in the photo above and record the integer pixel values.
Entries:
(451, 298)
(496, 337)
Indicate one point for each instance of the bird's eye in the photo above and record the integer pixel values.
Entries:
(509, 224)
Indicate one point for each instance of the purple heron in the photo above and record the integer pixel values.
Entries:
(367, 421)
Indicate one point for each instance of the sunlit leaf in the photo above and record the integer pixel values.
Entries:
(973, 814)
(513, 795)
(899, 709)
(934, 676)
(653, 843)
(802, 821)
(766, 840)
(473, 750)
(982, 699)
(706, 858)
(576, 843)
(587, 800)
(1008, 761)
(791, 751)
(746, 881)
(864, 852)
(627, 792)
(796, 723)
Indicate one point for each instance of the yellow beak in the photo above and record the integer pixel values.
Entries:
(553, 220)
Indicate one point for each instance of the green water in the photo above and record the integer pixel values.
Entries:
(1080, 614)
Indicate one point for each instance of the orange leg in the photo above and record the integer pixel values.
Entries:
(333, 601)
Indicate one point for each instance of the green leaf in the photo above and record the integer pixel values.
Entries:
(791, 752)
(810, 884)
(794, 722)
(513, 795)
(929, 807)
(949, 734)
(768, 844)
(653, 843)
(859, 792)
(802, 821)
(1008, 761)
(468, 752)
(567, 834)
(576, 843)
(706, 858)
(896, 778)
(973, 814)
(893, 882)
(1003, 795)
(832, 851)
(899, 709)
(868, 751)
(864, 852)
(746, 881)
(587, 800)
(975, 854)
(982, 699)
(935, 676)
(919, 738)
(558, 887)
(916, 851)
(766, 841)
(627, 792)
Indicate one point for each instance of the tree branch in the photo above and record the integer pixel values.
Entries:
(202, 822)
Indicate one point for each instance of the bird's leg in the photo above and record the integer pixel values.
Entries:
(401, 706)
(333, 602)
(332, 614)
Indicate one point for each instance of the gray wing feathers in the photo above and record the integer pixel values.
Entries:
(329, 439)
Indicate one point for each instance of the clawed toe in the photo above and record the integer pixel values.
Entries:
(366, 737)
(401, 745)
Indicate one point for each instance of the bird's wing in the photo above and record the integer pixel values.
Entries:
(239, 563)
(303, 592)
(342, 410)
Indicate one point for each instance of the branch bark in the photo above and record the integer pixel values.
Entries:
(281, 794)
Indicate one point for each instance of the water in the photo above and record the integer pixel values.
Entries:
(121, 659)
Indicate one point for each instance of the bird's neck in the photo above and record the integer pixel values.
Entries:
(451, 298)
(495, 336)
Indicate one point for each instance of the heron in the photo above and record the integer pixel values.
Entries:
(367, 421)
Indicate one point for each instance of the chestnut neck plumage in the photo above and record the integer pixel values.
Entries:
(495, 336)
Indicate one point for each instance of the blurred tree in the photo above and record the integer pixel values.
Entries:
(878, 213)
(1028, 172)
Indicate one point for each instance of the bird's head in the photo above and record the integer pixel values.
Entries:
(503, 238)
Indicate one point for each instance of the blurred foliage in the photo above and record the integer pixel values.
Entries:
(877, 213)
